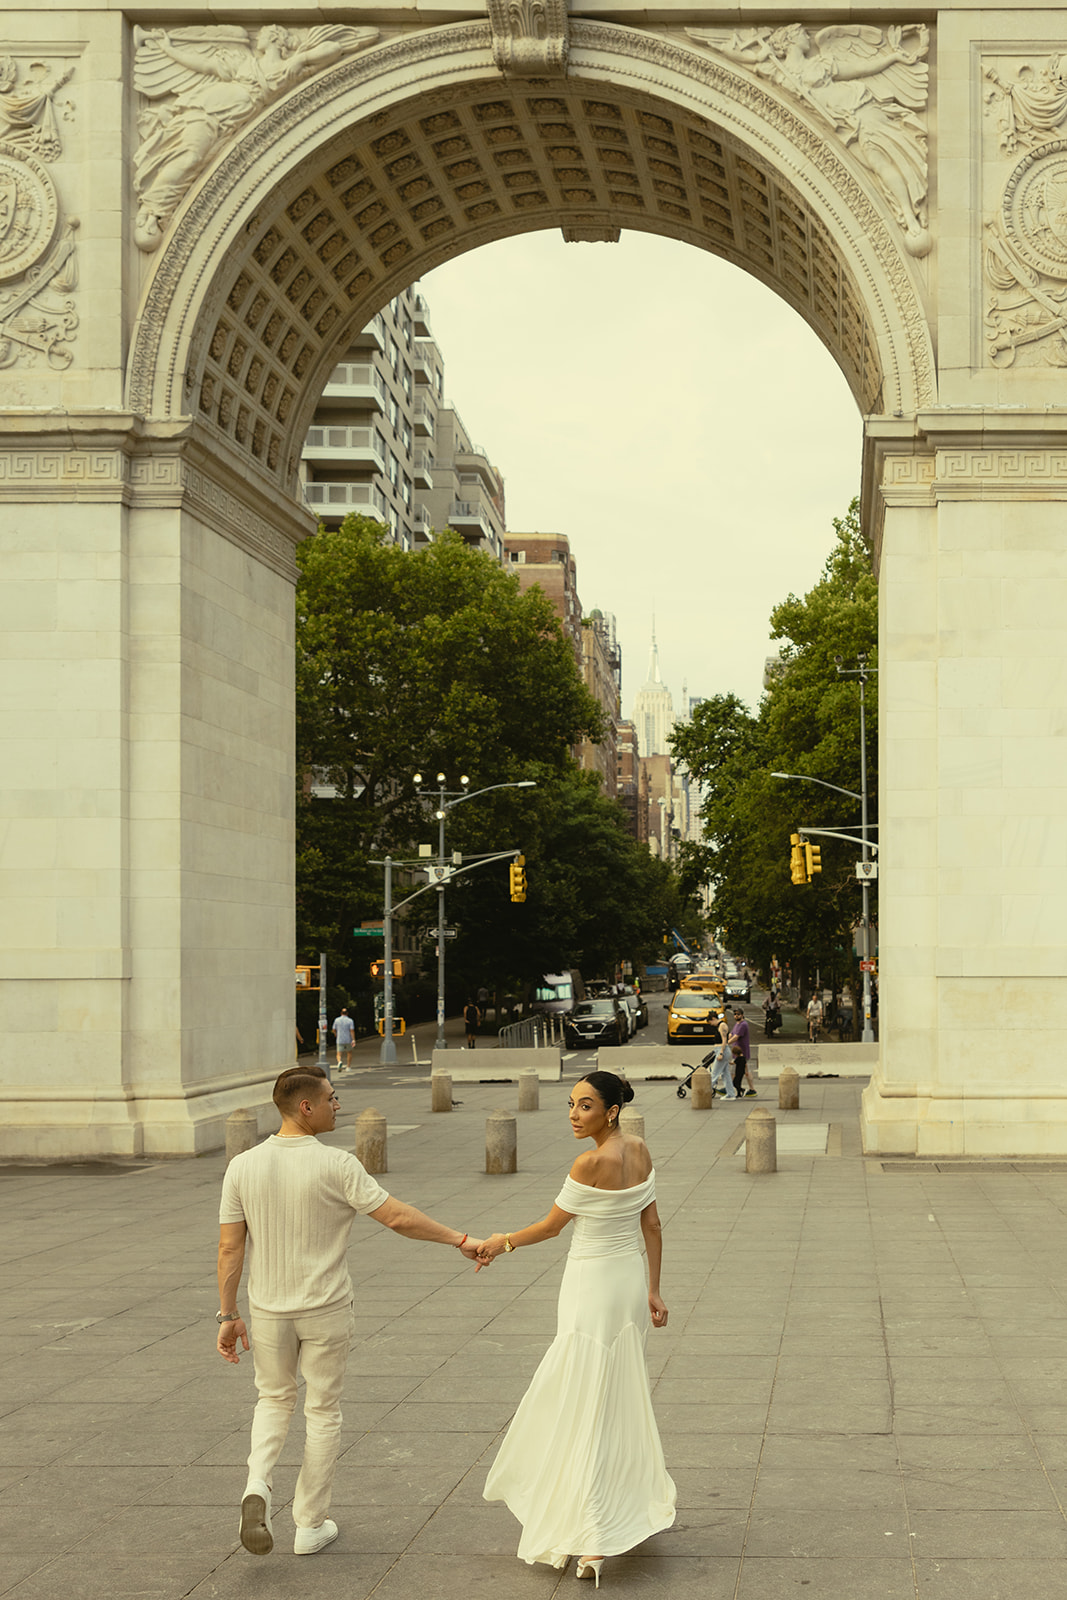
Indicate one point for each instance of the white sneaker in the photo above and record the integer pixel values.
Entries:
(309, 1541)
(256, 1533)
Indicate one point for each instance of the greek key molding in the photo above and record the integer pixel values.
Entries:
(908, 479)
(64, 474)
(1020, 473)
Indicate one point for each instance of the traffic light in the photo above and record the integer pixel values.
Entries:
(813, 861)
(377, 969)
(797, 870)
(517, 875)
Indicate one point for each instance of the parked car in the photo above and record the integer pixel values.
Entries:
(637, 1007)
(693, 1014)
(596, 1022)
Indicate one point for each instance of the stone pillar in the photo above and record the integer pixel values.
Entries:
(761, 1141)
(529, 1092)
(703, 1099)
(441, 1091)
(371, 1141)
(242, 1132)
(789, 1089)
(631, 1122)
(501, 1144)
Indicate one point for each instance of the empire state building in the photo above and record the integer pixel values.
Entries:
(653, 709)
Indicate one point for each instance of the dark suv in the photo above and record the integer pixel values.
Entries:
(595, 1022)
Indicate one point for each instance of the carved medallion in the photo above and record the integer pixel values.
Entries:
(29, 212)
(1034, 209)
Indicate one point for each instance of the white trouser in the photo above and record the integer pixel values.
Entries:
(317, 1344)
(722, 1069)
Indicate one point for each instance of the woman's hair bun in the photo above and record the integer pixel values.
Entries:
(627, 1092)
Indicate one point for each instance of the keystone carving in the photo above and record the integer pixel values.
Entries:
(1026, 226)
(202, 85)
(869, 85)
(530, 37)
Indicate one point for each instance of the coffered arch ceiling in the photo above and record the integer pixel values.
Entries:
(269, 271)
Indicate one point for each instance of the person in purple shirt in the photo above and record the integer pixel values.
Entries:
(742, 1049)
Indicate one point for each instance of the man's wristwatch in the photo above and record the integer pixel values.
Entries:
(508, 1246)
(227, 1316)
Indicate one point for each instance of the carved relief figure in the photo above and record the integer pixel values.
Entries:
(206, 84)
(867, 84)
(1031, 109)
(27, 109)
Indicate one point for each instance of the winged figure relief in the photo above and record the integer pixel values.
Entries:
(201, 86)
(868, 84)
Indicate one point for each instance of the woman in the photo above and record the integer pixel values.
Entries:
(582, 1466)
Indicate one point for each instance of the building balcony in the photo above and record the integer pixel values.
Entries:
(372, 337)
(475, 524)
(338, 499)
(425, 419)
(420, 321)
(355, 384)
(473, 465)
(362, 447)
(422, 469)
(422, 524)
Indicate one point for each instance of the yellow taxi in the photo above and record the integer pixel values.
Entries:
(694, 1013)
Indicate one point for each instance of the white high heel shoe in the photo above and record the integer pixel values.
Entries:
(589, 1569)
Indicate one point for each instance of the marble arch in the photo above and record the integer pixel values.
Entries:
(169, 307)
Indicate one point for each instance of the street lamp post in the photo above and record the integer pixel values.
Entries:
(861, 671)
(446, 800)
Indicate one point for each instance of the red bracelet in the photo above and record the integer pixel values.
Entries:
(462, 1242)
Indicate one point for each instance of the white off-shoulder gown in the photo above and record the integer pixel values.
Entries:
(582, 1465)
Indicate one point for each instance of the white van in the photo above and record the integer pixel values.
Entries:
(557, 993)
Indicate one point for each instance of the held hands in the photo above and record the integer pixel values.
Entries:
(489, 1250)
(226, 1344)
(471, 1248)
(658, 1310)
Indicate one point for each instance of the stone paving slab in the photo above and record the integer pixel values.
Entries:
(861, 1389)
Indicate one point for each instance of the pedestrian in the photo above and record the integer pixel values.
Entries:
(471, 1017)
(741, 1049)
(721, 1070)
(582, 1465)
(815, 1016)
(344, 1033)
(299, 1042)
(483, 1000)
(295, 1200)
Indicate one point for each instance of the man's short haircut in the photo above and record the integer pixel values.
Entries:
(296, 1084)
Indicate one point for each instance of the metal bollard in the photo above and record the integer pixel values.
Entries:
(703, 1099)
(761, 1141)
(789, 1089)
(440, 1091)
(529, 1092)
(631, 1122)
(501, 1145)
(371, 1141)
(242, 1131)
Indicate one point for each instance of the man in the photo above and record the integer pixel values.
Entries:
(742, 1048)
(295, 1200)
(344, 1032)
(471, 1020)
(815, 1015)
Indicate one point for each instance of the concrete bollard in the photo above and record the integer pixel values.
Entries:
(440, 1091)
(700, 1084)
(761, 1141)
(631, 1122)
(529, 1092)
(242, 1131)
(371, 1141)
(789, 1089)
(501, 1146)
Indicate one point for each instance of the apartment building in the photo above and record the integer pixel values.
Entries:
(602, 673)
(546, 559)
(629, 782)
(468, 491)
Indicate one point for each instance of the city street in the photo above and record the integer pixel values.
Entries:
(859, 1389)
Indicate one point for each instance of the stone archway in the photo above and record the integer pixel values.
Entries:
(271, 219)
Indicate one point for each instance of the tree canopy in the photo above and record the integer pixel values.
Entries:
(434, 661)
(808, 724)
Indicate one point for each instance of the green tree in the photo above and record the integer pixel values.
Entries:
(807, 723)
(430, 661)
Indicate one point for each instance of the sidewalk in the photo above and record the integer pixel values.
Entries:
(860, 1389)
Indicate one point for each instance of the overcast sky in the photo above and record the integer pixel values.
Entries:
(677, 421)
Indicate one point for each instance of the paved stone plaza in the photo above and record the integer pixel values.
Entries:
(860, 1390)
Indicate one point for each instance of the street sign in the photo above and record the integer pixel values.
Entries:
(450, 933)
(438, 874)
(866, 870)
(368, 933)
(868, 966)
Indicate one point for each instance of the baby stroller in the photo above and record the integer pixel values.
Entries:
(683, 1088)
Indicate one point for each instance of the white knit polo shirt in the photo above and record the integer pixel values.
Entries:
(298, 1199)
